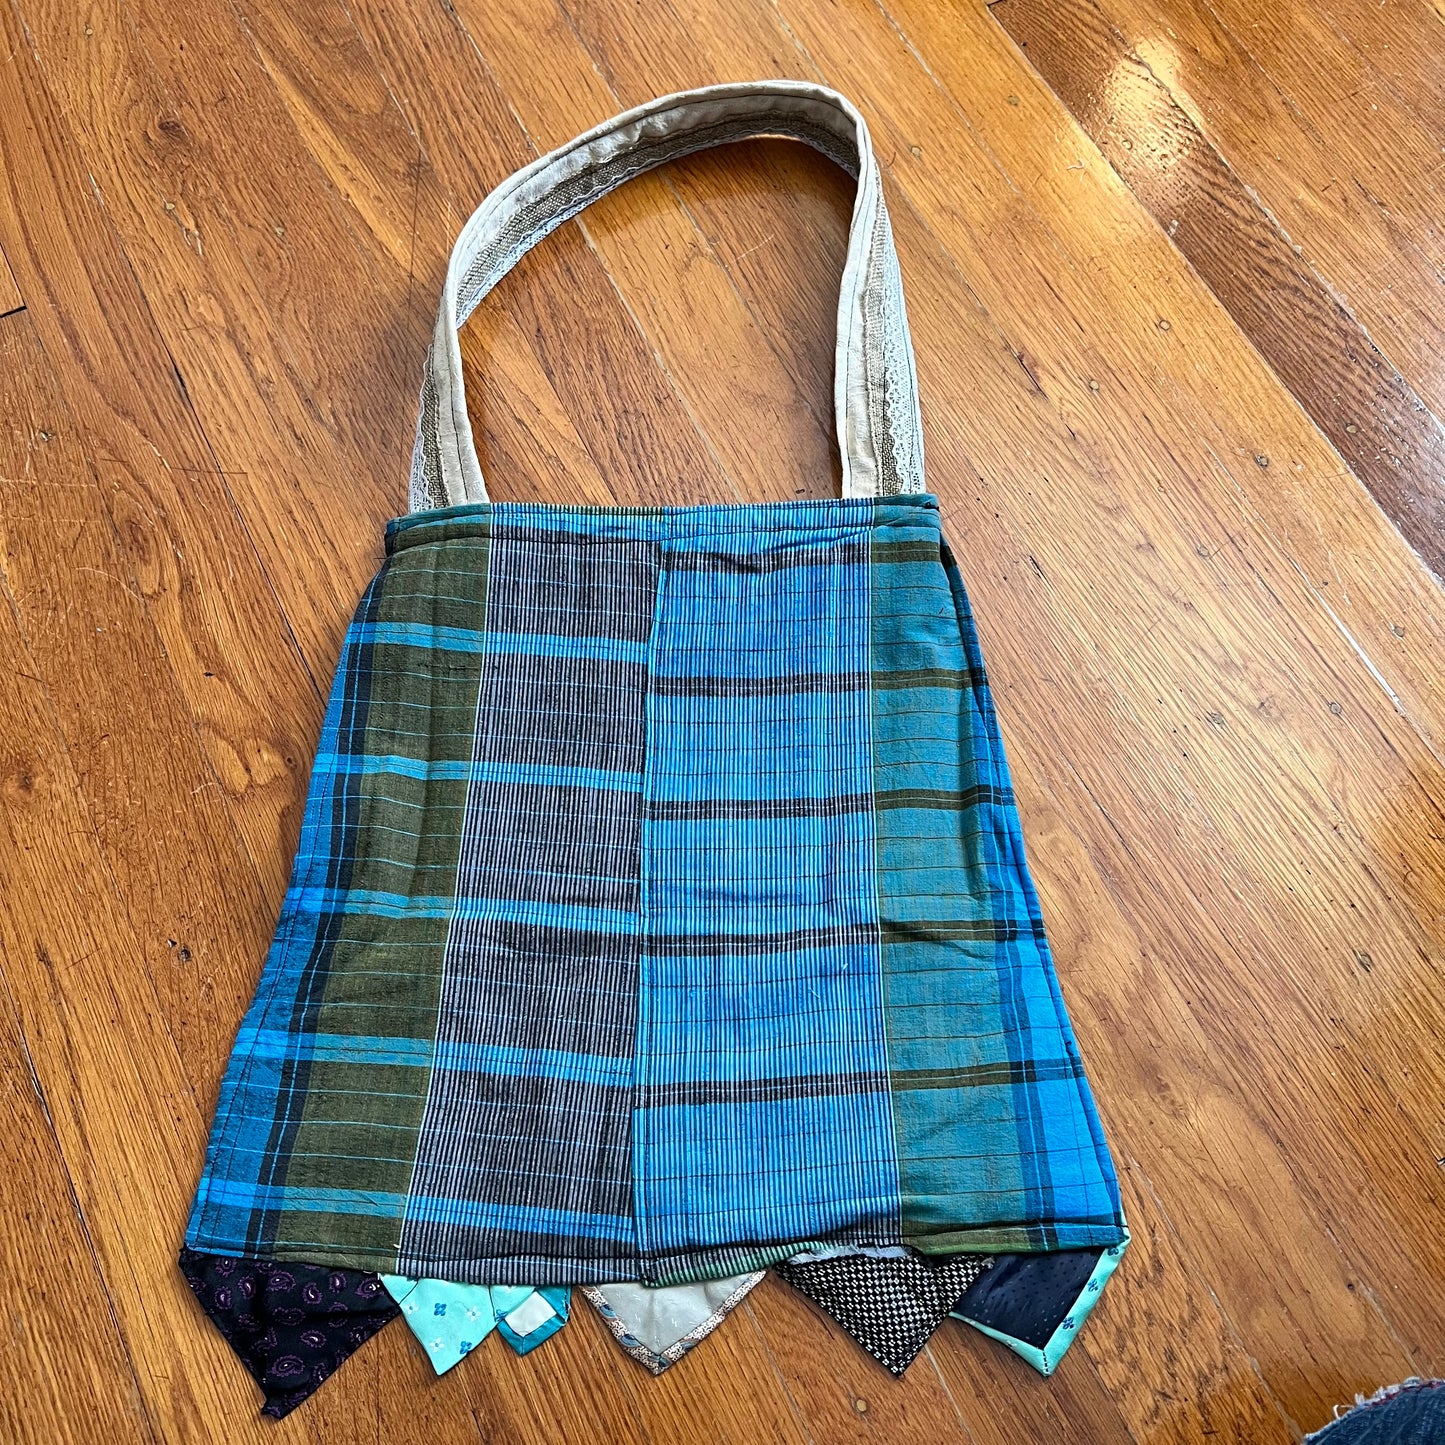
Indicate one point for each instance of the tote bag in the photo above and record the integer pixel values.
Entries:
(660, 909)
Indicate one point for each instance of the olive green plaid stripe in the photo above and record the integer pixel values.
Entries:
(960, 938)
(360, 1123)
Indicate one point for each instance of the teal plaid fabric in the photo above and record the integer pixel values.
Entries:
(660, 908)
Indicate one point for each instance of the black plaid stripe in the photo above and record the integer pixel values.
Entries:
(725, 562)
(554, 712)
(521, 1155)
(702, 810)
(571, 586)
(760, 944)
(789, 685)
(754, 1091)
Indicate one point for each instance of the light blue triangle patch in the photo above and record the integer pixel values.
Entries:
(451, 1320)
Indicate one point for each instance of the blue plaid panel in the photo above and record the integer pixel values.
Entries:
(661, 907)
(999, 1143)
(763, 1109)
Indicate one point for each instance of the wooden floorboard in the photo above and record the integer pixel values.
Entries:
(1205, 601)
(64, 1335)
(1297, 113)
(1392, 441)
(1401, 44)
(10, 297)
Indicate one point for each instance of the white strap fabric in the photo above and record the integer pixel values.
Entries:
(875, 387)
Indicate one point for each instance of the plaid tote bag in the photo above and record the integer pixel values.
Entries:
(660, 910)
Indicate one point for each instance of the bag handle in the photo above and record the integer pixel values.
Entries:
(875, 387)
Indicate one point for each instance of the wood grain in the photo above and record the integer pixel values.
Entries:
(1301, 119)
(1401, 43)
(1392, 441)
(10, 297)
(61, 1334)
(143, 551)
(125, 1116)
(1218, 678)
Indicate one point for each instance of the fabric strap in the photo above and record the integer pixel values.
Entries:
(875, 389)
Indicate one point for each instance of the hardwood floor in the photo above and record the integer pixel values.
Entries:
(1174, 274)
(1299, 318)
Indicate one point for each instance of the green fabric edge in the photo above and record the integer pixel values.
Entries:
(1017, 1238)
